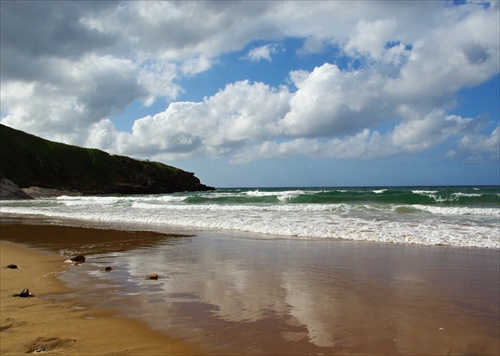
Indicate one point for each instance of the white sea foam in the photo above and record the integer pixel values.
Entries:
(443, 210)
(259, 193)
(398, 223)
(167, 198)
(468, 195)
(281, 195)
(424, 192)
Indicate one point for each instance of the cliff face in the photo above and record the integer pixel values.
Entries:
(29, 160)
(10, 191)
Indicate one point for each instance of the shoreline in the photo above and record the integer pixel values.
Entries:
(36, 219)
(42, 324)
(294, 297)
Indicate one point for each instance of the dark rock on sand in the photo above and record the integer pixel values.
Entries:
(12, 266)
(107, 269)
(78, 259)
(25, 293)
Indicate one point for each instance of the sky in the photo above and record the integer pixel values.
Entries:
(264, 93)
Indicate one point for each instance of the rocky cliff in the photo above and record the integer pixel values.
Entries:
(10, 191)
(29, 161)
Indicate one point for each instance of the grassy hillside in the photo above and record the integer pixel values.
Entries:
(29, 160)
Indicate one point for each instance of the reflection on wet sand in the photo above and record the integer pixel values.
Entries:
(296, 297)
(250, 296)
(72, 239)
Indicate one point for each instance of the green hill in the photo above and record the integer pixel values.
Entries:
(28, 160)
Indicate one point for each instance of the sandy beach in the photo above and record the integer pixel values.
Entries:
(218, 294)
(42, 325)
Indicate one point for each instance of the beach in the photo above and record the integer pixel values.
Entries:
(43, 324)
(225, 294)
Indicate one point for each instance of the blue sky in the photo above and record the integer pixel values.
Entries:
(263, 93)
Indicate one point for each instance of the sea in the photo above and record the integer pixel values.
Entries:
(290, 271)
(459, 216)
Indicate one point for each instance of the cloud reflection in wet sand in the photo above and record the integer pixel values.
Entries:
(283, 296)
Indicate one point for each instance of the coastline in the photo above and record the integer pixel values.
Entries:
(291, 297)
(457, 216)
(42, 324)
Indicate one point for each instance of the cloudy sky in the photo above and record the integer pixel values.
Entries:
(263, 93)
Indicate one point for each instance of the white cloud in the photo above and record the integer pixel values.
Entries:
(329, 102)
(313, 44)
(102, 134)
(68, 68)
(250, 121)
(417, 135)
(196, 65)
(370, 38)
(461, 54)
(157, 77)
(409, 137)
(74, 95)
(262, 53)
(240, 114)
(479, 147)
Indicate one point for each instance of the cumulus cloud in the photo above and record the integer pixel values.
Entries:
(242, 113)
(463, 52)
(478, 147)
(73, 95)
(369, 38)
(330, 102)
(409, 138)
(68, 68)
(265, 52)
(247, 121)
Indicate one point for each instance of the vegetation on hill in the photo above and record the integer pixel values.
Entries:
(29, 160)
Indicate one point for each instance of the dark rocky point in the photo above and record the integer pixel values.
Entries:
(78, 259)
(10, 191)
(31, 166)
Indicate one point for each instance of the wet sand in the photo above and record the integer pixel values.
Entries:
(230, 294)
(45, 324)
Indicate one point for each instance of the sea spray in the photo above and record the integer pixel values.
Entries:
(454, 216)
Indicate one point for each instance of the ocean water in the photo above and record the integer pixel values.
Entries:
(453, 216)
(285, 271)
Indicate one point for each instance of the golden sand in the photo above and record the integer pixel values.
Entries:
(405, 305)
(39, 324)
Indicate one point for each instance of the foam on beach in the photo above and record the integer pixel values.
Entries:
(461, 217)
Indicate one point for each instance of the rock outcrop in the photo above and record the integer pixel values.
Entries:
(56, 169)
(10, 191)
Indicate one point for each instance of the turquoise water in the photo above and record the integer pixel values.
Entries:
(454, 216)
(487, 196)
